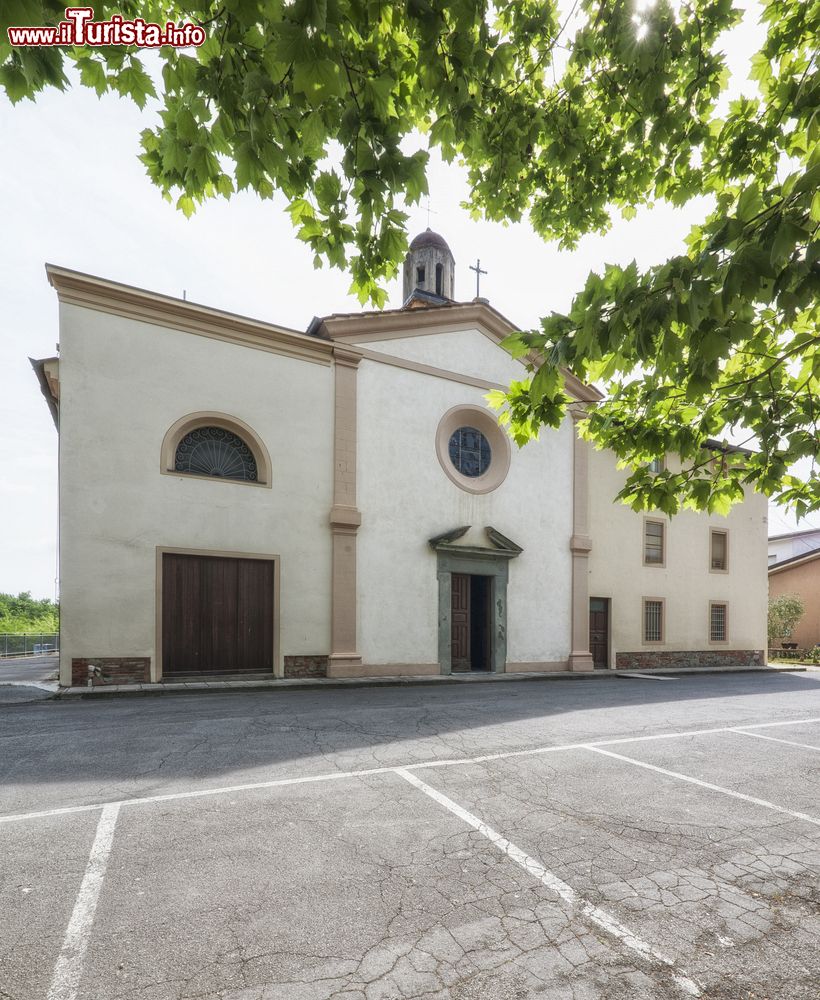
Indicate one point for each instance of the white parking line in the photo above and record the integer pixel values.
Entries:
(706, 784)
(643, 677)
(198, 793)
(774, 739)
(415, 766)
(69, 966)
(534, 868)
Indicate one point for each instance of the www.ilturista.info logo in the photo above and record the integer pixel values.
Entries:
(80, 28)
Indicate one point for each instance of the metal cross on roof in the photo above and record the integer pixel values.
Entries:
(478, 272)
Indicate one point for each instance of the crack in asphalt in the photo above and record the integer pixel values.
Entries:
(366, 894)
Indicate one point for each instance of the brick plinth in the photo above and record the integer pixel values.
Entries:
(646, 659)
(110, 670)
(306, 666)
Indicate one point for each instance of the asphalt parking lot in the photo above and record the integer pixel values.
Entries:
(27, 679)
(612, 838)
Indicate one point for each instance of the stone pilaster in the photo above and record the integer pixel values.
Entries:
(345, 516)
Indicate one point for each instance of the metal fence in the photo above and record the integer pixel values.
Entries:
(35, 644)
(812, 654)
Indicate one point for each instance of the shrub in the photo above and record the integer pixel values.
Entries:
(785, 612)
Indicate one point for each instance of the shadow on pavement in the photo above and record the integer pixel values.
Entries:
(209, 736)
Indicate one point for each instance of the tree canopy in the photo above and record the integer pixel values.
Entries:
(28, 614)
(562, 120)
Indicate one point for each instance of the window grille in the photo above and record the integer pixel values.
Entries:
(717, 623)
(215, 451)
(653, 621)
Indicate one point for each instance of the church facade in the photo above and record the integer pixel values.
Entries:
(239, 499)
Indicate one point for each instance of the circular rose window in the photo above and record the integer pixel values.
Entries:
(472, 449)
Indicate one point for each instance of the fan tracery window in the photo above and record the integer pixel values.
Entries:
(216, 446)
(215, 451)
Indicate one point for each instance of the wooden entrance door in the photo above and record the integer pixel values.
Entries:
(599, 631)
(460, 621)
(470, 617)
(217, 615)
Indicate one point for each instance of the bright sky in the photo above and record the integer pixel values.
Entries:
(75, 194)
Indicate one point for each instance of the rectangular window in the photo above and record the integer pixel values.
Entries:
(719, 556)
(657, 465)
(419, 275)
(717, 622)
(652, 621)
(653, 543)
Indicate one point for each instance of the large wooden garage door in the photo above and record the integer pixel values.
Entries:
(217, 615)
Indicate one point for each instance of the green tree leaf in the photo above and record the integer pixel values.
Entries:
(322, 101)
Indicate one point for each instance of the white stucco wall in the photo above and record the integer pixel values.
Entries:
(122, 385)
(468, 352)
(406, 498)
(616, 569)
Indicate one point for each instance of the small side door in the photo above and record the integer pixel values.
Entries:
(599, 631)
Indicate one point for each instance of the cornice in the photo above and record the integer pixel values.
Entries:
(102, 295)
(580, 390)
(363, 328)
(333, 336)
(476, 551)
(347, 356)
(47, 371)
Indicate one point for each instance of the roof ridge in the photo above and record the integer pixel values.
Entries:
(807, 555)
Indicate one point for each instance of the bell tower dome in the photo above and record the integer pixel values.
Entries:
(429, 266)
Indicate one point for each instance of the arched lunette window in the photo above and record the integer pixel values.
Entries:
(215, 451)
(215, 446)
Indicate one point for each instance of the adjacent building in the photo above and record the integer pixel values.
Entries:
(792, 544)
(800, 575)
(241, 498)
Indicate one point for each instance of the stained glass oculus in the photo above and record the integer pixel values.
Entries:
(214, 451)
(470, 451)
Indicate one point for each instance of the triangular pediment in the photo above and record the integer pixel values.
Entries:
(423, 320)
(392, 331)
(454, 541)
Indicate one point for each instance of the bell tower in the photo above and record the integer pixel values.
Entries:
(429, 266)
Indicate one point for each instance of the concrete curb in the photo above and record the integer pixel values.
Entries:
(301, 684)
